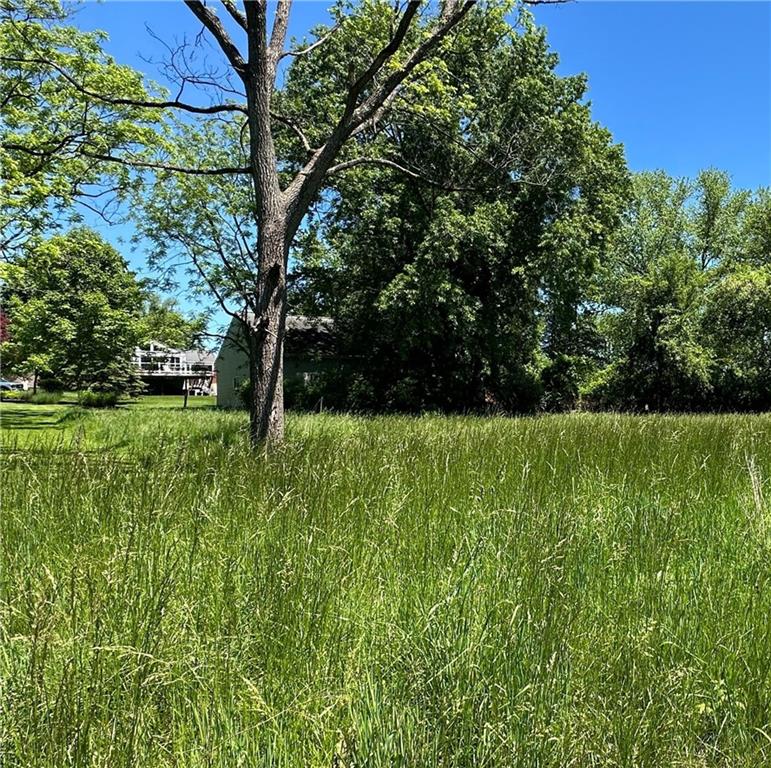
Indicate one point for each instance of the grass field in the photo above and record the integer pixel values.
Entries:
(584, 590)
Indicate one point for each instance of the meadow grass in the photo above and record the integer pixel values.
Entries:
(583, 590)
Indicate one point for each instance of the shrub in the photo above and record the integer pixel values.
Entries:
(560, 380)
(41, 397)
(50, 383)
(244, 393)
(91, 399)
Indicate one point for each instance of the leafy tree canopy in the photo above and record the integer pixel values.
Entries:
(455, 294)
(73, 311)
(162, 320)
(684, 298)
(54, 136)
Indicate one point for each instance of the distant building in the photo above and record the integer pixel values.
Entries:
(168, 371)
(308, 350)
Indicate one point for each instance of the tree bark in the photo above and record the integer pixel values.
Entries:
(266, 332)
(266, 342)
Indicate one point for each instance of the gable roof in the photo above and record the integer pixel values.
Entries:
(305, 335)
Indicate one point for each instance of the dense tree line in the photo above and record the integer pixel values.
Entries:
(682, 303)
(465, 293)
(461, 304)
(475, 235)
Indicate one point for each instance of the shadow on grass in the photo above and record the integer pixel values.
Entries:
(32, 417)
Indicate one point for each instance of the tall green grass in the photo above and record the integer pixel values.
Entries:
(564, 591)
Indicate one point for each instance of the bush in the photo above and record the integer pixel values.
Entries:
(50, 383)
(41, 397)
(560, 380)
(91, 399)
(244, 393)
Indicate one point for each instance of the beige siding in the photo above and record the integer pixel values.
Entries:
(232, 368)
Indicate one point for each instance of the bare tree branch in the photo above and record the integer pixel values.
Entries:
(202, 272)
(309, 180)
(212, 22)
(122, 101)
(403, 169)
(132, 163)
(372, 121)
(289, 123)
(229, 266)
(420, 54)
(239, 17)
(312, 46)
(386, 52)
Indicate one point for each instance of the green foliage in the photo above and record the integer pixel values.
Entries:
(506, 266)
(95, 399)
(73, 311)
(685, 305)
(163, 321)
(41, 397)
(244, 393)
(737, 323)
(52, 134)
(586, 590)
(444, 293)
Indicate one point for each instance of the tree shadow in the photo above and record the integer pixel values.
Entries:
(29, 418)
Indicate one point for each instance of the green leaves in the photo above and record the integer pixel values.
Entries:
(686, 315)
(53, 129)
(73, 312)
(163, 321)
(446, 292)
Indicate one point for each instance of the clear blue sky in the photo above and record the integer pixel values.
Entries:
(683, 85)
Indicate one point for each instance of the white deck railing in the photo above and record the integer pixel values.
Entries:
(174, 369)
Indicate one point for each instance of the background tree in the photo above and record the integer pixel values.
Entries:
(683, 298)
(737, 324)
(650, 288)
(737, 315)
(73, 313)
(162, 320)
(52, 136)
(455, 295)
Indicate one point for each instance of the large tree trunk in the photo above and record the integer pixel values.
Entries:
(266, 341)
(279, 213)
(266, 333)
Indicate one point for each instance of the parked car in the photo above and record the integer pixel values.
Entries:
(10, 386)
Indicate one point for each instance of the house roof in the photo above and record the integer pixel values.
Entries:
(198, 356)
(311, 336)
(158, 349)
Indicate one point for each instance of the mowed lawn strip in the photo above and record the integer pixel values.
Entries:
(582, 590)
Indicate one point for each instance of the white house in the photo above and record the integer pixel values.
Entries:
(169, 371)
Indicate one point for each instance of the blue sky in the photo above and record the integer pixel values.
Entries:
(682, 85)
